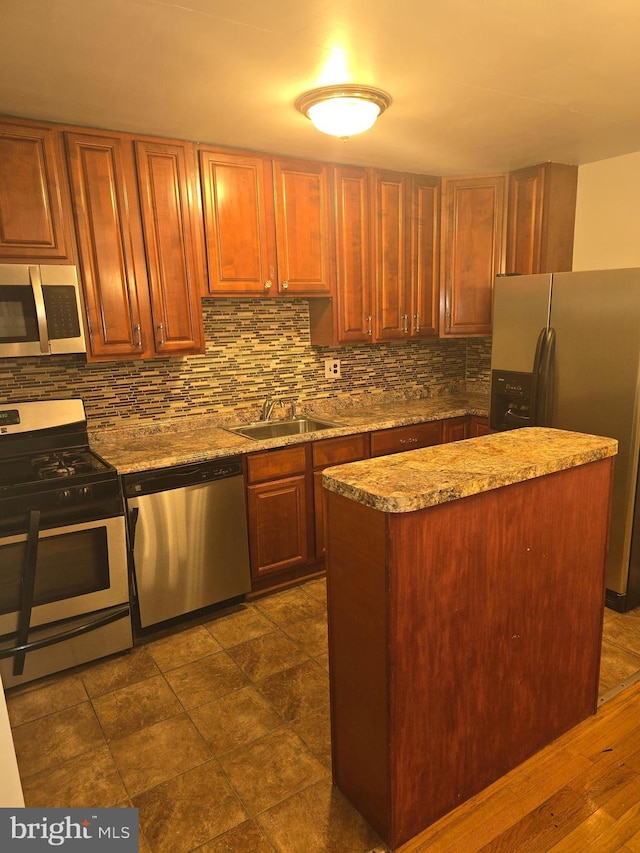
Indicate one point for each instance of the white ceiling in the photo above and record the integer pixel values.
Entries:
(477, 85)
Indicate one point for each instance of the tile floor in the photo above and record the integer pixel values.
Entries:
(219, 733)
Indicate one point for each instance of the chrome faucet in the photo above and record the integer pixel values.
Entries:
(293, 401)
(267, 408)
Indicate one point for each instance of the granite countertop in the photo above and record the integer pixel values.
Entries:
(422, 478)
(201, 438)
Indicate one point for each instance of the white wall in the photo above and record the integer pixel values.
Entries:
(607, 232)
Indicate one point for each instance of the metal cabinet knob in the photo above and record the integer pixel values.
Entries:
(268, 284)
(285, 285)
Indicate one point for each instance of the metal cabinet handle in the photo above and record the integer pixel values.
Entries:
(416, 322)
(369, 327)
(408, 441)
(268, 284)
(405, 323)
(137, 335)
(285, 285)
(161, 340)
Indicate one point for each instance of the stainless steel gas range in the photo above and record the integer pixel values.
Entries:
(64, 592)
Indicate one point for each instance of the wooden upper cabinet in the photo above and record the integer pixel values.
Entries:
(167, 183)
(354, 292)
(138, 244)
(391, 314)
(541, 220)
(424, 257)
(35, 215)
(473, 214)
(113, 270)
(237, 194)
(306, 263)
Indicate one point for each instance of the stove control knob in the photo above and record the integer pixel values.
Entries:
(64, 496)
(84, 492)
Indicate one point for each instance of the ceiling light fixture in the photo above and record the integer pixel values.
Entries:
(343, 110)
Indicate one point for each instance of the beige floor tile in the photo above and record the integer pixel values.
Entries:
(296, 691)
(316, 588)
(616, 665)
(205, 680)
(288, 606)
(109, 675)
(246, 838)
(315, 731)
(624, 629)
(241, 624)
(267, 654)
(184, 812)
(271, 769)
(151, 756)
(132, 708)
(50, 696)
(310, 634)
(90, 779)
(317, 820)
(183, 647)
(234, 720)
(44, 743)
(323, 661)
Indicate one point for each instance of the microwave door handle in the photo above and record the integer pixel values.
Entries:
(28, 587)
(41, 315)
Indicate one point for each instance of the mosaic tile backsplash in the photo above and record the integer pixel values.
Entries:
(253, 347)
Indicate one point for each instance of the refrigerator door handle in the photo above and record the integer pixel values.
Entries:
(545, 383)
(536, 378)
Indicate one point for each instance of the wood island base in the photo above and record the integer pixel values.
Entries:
(463, 638)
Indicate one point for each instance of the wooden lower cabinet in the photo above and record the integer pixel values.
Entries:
(455, 429)
(279, 504)
(478, 426)
(399, 439)
(327, 452)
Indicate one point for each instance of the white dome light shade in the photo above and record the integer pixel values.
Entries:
(343, 111)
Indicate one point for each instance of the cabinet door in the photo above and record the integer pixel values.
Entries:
(110, 245)
(472, 249)
(541, 219)
(353, 255)
(424, 257)
(478, 426)
(455, 429)
(278, 525)
(167, 185)
(391, 314)
(34, 205)
(303, 228)
(237, 193)
(326, 452)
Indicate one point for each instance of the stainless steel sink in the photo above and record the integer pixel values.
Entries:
(278, 429)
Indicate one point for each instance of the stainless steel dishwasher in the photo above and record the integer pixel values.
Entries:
(188, 537)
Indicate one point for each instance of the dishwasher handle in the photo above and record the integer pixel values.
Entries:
(180, 476)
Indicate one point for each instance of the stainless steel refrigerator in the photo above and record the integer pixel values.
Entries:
(566, 354)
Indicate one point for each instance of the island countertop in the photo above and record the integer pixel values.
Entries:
(418, 479)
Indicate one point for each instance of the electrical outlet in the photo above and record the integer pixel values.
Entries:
(332, 368)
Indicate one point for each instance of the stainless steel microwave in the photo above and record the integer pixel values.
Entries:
(40, 310)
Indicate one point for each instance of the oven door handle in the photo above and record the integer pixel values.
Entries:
(112, 615)
(28, 587)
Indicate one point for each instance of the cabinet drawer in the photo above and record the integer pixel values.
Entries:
(335, 451)
(273, 464)
(403, 438)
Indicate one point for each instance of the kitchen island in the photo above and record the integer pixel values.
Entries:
(465, 594)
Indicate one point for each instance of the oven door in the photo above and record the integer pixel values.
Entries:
(74, 576)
